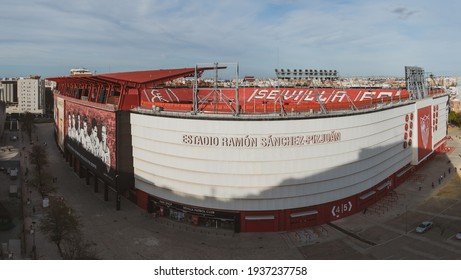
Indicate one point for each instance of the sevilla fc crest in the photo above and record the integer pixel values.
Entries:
(425, 123)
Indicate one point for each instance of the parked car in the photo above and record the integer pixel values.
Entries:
(424, 226)
(458, 235)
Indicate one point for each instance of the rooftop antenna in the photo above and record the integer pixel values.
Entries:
(218, 96)
(278, 58)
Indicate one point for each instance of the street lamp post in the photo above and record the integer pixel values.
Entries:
(117, 194)
(33, 241)
(117, 206)
(406, 224)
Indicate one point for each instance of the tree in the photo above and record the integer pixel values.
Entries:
(59, 224)
(454, 118)
(28, 122)
(44, 183)
(39, 157)
(63, 228)
(75, 247)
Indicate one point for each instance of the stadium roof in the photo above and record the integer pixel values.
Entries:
(134, 79)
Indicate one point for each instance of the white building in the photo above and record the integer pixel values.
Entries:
(80, 72)
(8, 90)
(31, 95)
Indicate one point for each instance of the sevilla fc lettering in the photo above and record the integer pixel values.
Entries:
(266, 95)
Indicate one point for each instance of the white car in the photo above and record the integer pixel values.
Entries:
(424, 226)
(458, 235)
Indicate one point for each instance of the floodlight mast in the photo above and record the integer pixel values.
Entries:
(312, 75)
(415, 80)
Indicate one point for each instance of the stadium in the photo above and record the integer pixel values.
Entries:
(250, 158)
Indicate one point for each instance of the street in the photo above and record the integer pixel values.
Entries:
(385, 231)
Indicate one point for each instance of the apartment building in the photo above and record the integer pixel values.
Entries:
(9, 90)
(31, 95)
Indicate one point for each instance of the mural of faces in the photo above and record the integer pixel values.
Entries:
(87, 128)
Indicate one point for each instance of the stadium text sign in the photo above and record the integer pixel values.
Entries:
(248, 141)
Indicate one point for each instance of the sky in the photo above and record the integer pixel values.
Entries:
(354, 37)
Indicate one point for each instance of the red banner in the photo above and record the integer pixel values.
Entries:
(424, 132)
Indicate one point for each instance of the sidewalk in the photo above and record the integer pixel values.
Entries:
(37, 246)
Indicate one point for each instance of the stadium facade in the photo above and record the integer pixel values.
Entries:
(248, 159)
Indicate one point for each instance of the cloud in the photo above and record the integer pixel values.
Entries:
(404, 13)
(353, 36)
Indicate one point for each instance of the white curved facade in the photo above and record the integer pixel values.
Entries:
(368, 150)
(324, 163)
